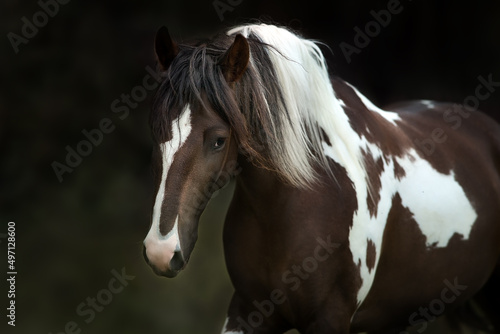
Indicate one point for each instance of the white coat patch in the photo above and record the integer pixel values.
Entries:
(225, 331)
(437, 201)
(429, 104)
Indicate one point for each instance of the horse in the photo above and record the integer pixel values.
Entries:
(345, 217)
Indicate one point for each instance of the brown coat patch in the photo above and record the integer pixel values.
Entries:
(371, 255)
(371, 125)
(373, 169)
(399, 172)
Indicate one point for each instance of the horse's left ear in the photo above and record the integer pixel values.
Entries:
(165, 47)
(235, 61)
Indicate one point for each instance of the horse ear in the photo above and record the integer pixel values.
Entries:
(235, 61)
(166, 49)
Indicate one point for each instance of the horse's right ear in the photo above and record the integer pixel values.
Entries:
(235, 61)
(166, 49)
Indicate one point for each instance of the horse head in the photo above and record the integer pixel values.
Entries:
(195, 150)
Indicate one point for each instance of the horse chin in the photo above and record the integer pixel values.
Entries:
(169, 273)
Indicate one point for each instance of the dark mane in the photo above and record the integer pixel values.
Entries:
(195, 72)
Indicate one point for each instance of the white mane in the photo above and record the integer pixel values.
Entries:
(310, 105)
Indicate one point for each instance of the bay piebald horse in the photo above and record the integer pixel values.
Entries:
(345, 217)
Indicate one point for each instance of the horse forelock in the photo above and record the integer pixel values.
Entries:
(194, 77)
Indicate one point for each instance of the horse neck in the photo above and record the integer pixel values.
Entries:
(349, 132)
(257, 184)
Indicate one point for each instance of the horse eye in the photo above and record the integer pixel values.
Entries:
(219, 143)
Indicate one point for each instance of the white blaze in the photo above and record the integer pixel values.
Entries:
(160, 249)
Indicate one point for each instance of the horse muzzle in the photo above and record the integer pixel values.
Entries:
(164, 262)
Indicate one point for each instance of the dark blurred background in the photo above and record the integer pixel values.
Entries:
(63, 80)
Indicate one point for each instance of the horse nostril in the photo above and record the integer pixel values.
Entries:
(177, 262)
(145, 255)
